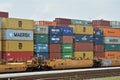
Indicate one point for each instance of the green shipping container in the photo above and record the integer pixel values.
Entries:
(40, 38)
(112, 47)
(67, 48)
(67, 55)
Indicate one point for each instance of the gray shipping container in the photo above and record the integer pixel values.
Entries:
(115, 24)
(40, 29)
(112, 40)
(17, 34)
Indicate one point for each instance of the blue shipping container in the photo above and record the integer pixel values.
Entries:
(67, 31)
(98, 40)
(55, 39)
(41, 55)
(40, 47)
(54, 30)
(98, 33)
(83, 38)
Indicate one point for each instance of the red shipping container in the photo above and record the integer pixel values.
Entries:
(4, 14)
(99, 55)
(83, 46)
(62, 21)
(56, 55)
(17, 55)
(55, 48)
(67, 39)
(99, 48)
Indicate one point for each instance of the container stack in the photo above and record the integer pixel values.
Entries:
(83, 39)
(17, 39)
(67, 42)
(98, 44)
(111, 42)
(41, 41)
(54, 42)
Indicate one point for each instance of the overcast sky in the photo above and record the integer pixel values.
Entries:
(50, 9)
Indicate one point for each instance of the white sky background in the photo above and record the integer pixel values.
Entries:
(50, 9)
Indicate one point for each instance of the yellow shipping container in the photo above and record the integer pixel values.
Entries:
(0, 46)
(14, 23)
(18, 46)
(79, 29)
(84, 55)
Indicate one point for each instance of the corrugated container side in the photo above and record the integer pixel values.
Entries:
(98, 33)
(56, 55)
(48, 23)
(99, 48)
(17, 55)
(99, 55)
(68, 31)
(17, 45)
(40, 29)
(83, 46)
(0, 46)
(55, 48)
(67, 39)
(9, 34)
(101, 23)
(112, 54)
(83, 38)
(78, 29)
(112, 40)
(40, 38)
(111, 32)
(99, 40)
(112, 47)
(55, 39)
(54, 30)
(4, 14)
(67, 55)
(14, 23)
(0, 34)
(40, 47)
(67, 47)
(42, 55)
(84, 55)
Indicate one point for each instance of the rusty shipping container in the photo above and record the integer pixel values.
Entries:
(112, 54)
(56, 55)
(14, 23)
(62, 21)
(99, 48)
(78, 29)
(17, 55)
(99, 55)
(83, 46)
(111, 32)
(84, 55)
(67, 39)
(47, 23)
(55, 48)
(17, 46)
(101, 23)
(4, 14)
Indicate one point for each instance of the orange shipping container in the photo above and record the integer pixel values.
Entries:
(111, 32)
(47, 23)
(112, 54)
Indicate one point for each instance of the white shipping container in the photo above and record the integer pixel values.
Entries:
(106, 62)
(40, 29)
(112, 40)
(115, 24)
(9, 34)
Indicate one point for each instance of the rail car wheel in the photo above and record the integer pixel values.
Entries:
(30, 69)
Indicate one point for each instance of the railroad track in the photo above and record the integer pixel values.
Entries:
(76, 74)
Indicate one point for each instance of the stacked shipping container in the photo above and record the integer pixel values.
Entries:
(55, 42)
(4, 14)
(41, 41)
(83, 39)
(67, 42)
(17, 39)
